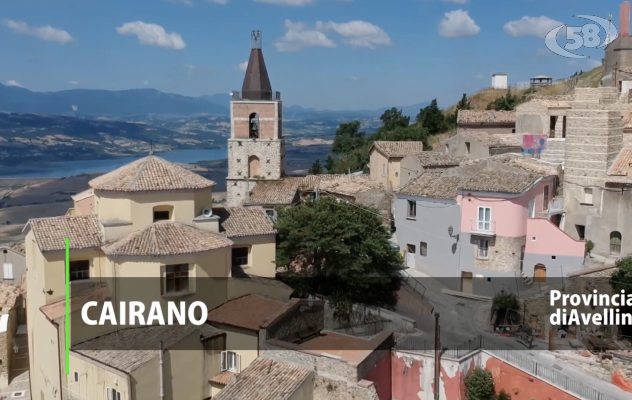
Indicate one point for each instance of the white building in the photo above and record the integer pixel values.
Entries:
(499, 80)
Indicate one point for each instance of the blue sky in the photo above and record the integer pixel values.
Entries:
(328, 54)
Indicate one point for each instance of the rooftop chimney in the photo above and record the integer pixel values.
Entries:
(624, 19)
(256, 82)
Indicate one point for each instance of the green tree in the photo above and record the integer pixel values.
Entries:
(330, 164)
(464, 103)
(316, 168)
(340, 251)
(348, 138)
(393, 118)
(431, 118)
(507, 102)
(414, 132)
(502, 395)
(503, 303)
(479, 384)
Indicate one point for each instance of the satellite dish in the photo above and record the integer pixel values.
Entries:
(208, 212)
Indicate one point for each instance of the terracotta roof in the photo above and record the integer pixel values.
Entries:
(627, 120)
(57, 310)
(247, 312)
(623, 162)
(8, 296)
(485, 116)
(265, 380)
(150, 174)
(525, 163)
(128, 349)
(347, 185)
(17, 247)
(433, 184)
(274, 193)
(498, 181)
(436, 159)
(166, 238)
(496, 139)
(244, 221)
(51, 233)
(223, 378)
(398, 149)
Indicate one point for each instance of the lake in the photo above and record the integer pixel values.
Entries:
(60, 169)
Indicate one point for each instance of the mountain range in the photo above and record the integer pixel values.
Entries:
(123, 103)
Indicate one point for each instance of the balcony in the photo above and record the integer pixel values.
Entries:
(556, 206)
(483, 228)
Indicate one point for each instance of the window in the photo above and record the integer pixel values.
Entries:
(253, 126)
(240, 256)
(177, 278)
(483, 248)
(615, 243)
(79, 270)
(484, 219)
(230, 361)
(588, 196)
(467, 147)
(423, 249)
(532, 209)
(564, 126)
(396, 174)
(270, 213)
(513, 131)
(581, 229)
(545, 199)
(161, 216)
(411, 248)
(383, 170)
(113, 394)
(8, 271)
(254, 167)
(76, 376)
(412, 209)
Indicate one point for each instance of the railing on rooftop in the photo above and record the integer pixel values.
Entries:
(484, 228)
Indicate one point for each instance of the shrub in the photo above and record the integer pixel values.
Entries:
(502, 395)
(479, 384)
(589, 246)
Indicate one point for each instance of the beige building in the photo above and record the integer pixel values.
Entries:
(413, 165)
(13, 260)
(476, 144)
(150, 235)
(490, 121)
(385, 160)
(10, 304)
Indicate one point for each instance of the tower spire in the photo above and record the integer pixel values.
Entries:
(256, 82)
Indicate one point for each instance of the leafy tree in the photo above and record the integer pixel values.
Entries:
(502, 303)
(340, 251)
(414, 132)
(464, 103)
(502, 395)
(479, 384)
(431, 118)
(316, 168)
(348, 138)
(507, 102)
(330, 164)
(622, 280)
(393, 118)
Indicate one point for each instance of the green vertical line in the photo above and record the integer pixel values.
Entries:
(67, 319)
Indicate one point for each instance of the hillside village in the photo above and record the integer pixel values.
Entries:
(511, 205)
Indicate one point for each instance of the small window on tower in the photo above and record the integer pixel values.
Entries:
(253, 123)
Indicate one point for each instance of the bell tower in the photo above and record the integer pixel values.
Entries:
(256, 148)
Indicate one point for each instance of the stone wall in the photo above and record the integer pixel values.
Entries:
(330, 389)
(503, 253)
(267, 112)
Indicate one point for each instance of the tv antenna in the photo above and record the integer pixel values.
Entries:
(608, 33)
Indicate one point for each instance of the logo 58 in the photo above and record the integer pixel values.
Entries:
(588, 36)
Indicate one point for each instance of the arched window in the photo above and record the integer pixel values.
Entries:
(253, 167)
(615, 242)
(253, 125)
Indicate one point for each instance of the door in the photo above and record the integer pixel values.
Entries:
(410, 256)
(467, 282)
(539, 273)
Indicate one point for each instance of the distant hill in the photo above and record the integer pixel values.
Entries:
(104, 102)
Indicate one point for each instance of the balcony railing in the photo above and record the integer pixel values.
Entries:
(556, 206)
(483, 228)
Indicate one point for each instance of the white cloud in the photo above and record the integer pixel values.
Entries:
(145, 83)
(74, 107)
(243, 66)
(292, 3)
(353, 33)
(531, 26)
(183, 2)
(458, 23)
(455, 1)
(73, 83)
(152, 35)
(299, 36)
(358, 33)
(47, 32)
(13, 83)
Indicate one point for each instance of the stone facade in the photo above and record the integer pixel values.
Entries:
(503, 253)
(254, 159)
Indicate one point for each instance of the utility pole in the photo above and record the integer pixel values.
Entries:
(437, 378)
